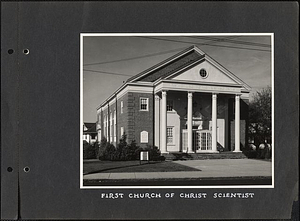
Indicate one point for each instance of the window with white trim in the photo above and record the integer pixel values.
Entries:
(111, 128)
(170, 135)
(122, 131)
(122, 105)
(104, 125)
(169, 105)
(115, 124)
(144, 102)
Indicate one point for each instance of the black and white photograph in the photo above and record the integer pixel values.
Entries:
(176, 110)
(149, 110)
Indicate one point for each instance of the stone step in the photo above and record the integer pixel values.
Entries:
(203, 156)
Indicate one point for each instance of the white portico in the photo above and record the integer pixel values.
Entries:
(205, 78)
(190, 89)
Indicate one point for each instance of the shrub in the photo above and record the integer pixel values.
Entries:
(102, 147)
(250, 153)
(109, 152)
(89, 151)
(125, 151)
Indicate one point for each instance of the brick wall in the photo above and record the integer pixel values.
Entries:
(122, 118)
(138, 120)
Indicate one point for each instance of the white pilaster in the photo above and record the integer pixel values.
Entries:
(214, 123)
(107, 134)
(164, 122)
(190, 122)
(156, 120)
(237, 124)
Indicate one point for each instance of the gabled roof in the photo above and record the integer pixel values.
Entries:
(179, 61)
(170, 65)
(89, 127)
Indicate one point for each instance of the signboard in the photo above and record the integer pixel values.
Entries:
(144, 155)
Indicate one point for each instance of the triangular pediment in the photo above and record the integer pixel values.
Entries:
(209, 73)
(186, 66)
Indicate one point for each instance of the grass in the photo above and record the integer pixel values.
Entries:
(97, 166)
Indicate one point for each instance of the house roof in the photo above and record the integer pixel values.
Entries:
(177, 62)
(89, 127)
(170, 65)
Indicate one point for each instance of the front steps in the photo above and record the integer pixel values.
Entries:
(203, 156)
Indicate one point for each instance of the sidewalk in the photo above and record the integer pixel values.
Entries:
(207, 169)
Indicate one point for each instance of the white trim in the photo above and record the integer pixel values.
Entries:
(198, 83)
(135, 88)
(113, 101)
(121, 107)
(174, 34)
(115, 126)
(121, 131)
(147, 99)
(173, 136)
(104, 107)
(196, 87)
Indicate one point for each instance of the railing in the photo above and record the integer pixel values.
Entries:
(201, 140)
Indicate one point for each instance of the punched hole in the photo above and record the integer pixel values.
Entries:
(10, 51)
(26, 169)
(9, 169)
(26, 51)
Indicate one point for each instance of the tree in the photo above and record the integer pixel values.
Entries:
(260, 116)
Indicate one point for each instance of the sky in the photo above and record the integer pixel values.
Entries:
(110, 60)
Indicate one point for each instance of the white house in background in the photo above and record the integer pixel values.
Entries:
(89, 132)
(187, 103)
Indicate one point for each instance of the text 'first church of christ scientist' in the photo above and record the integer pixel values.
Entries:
(187, 103)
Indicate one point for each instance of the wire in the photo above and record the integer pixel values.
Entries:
(133, 58)
(233, 41)
(105, 72)
(188, 42)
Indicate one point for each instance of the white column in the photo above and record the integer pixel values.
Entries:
(237, 124)
(190, 122)
(214, 123)
(164, 122)
(156, 120)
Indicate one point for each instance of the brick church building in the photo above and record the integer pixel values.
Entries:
(187, 103)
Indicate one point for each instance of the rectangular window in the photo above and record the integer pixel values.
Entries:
(121, 107)
(144, 104)
(169, 105)
(122, 131)
(170, 135)
(110, 128)
(104, 125)
(115, 124)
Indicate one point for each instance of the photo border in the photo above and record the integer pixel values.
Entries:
(82, 35)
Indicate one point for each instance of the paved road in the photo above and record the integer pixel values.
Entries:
(220, 168)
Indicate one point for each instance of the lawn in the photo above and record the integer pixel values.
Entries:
(97, 166)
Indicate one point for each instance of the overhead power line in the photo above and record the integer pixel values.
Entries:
(232, 41)
(197, 43)
(105, 72)
(139, 57)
